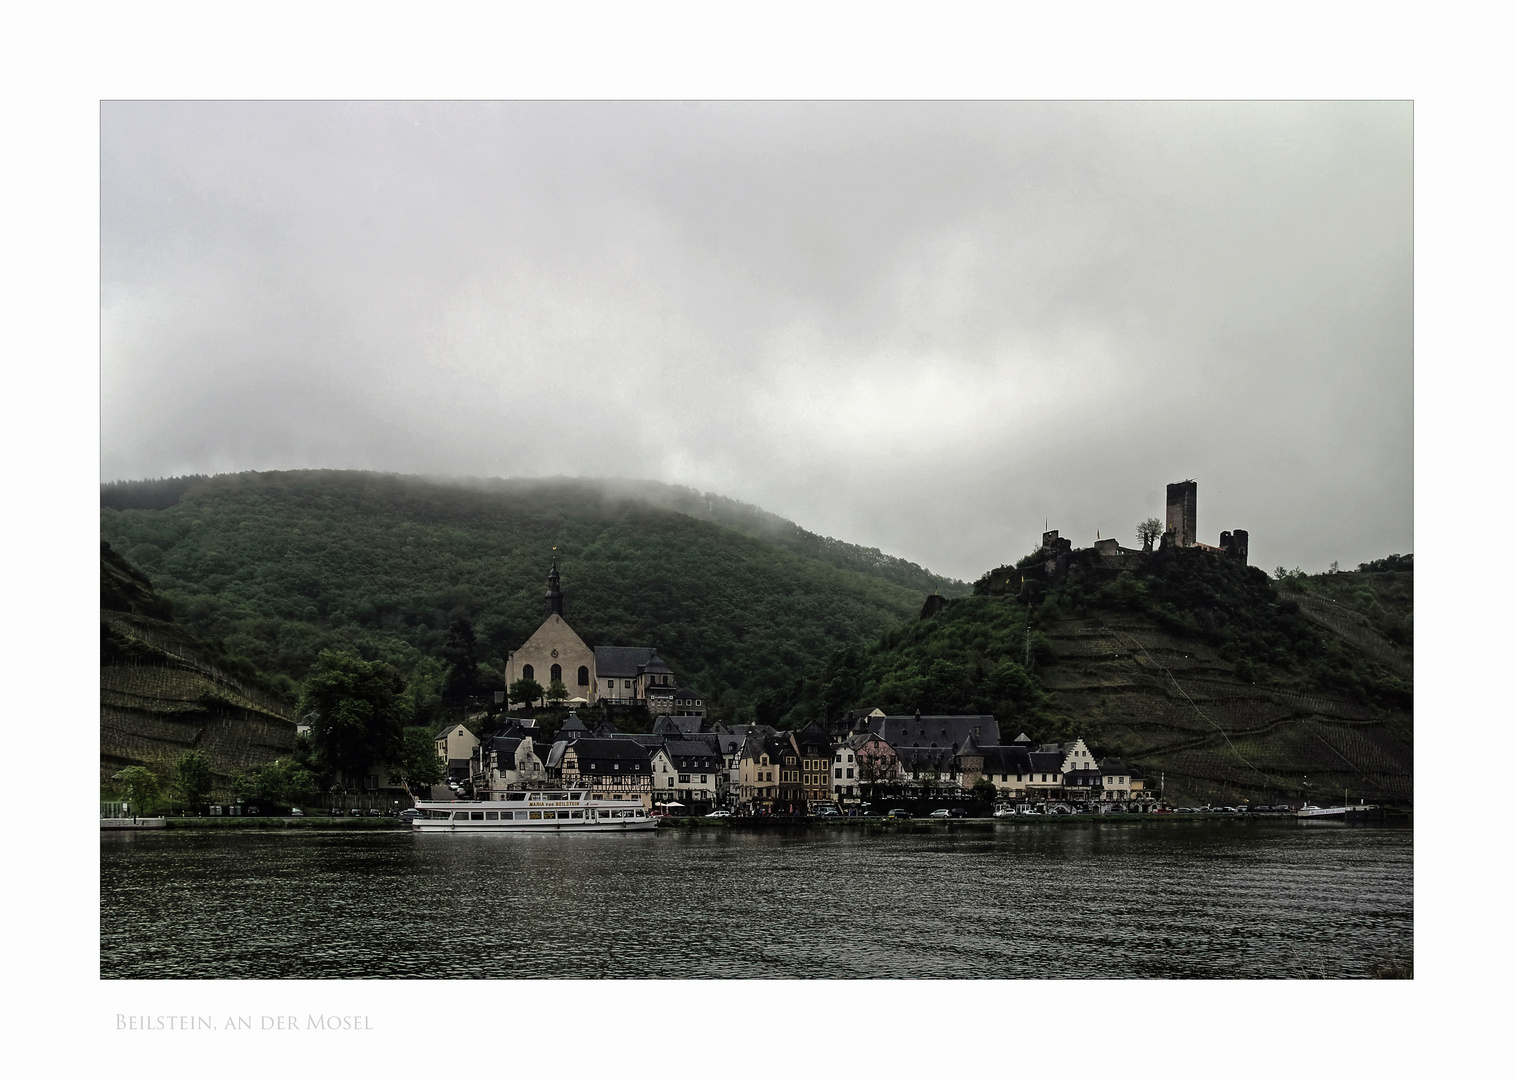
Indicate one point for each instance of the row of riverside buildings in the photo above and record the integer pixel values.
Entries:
(755, 768)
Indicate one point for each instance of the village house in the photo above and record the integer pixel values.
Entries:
(455, 744)
(506, 762)
(877, 763)
(609, 768)
(760, 764)
(846, 786)
(813, 747)
(699, 771)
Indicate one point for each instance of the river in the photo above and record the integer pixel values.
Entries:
(1086, 899)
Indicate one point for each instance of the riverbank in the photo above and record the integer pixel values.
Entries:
(1401, 818)
(271, 822)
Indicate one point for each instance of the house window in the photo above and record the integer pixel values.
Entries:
(670, 781)
(609, 684)
(849, 774)
(838, 774)
(704, 778)
(683, 778)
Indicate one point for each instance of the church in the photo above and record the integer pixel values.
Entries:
(617, 675)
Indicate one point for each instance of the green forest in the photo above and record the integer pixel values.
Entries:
(438, 578)
(980, 654)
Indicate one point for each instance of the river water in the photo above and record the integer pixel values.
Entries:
(1085, 899)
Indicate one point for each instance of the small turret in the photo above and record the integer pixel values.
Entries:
(554, 594)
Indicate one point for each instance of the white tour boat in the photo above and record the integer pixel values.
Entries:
(535, 811)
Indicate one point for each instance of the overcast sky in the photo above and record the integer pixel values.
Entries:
(930, 328)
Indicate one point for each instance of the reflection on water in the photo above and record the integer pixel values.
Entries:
(1095, 899)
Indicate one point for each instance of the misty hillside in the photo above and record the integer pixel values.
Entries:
(277, 566)
(1227, 682)
(164, 691)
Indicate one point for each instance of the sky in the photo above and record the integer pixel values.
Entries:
(933, 328)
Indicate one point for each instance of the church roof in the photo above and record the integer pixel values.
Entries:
(620, 662)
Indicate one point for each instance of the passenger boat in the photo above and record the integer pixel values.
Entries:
(535, 811)
(1346, 813)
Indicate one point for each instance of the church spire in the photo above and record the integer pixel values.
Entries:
(554, 594)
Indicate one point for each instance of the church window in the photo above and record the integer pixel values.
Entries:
(557, 673)
(528, 672)
(583, 676)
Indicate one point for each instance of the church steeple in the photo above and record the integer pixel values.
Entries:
(554, 594)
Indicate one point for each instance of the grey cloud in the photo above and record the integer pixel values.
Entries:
(922, 326)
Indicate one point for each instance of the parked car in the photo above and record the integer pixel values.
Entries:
(871, 813)
(410, 814)
(718, 813)
(898, 813)
(827, 811)
(1005, 811)
(1185, 810)
(941, 813)
(296, 812)
(355, 812)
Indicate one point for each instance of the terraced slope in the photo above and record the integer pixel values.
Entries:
(1173, 706)
(162, 693)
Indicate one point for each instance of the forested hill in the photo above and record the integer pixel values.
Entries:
(1194, 668)
(280, 565)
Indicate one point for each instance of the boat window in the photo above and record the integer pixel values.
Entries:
(516, 796)
(520, 815)
(491, 815)
(535, 815)
(478, 815)
(461, 815)
(578, 813)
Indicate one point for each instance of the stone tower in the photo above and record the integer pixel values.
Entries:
(1183, 512)
(554, 593)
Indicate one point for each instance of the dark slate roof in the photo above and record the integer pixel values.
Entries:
(1006, 759)
(1044, 762)
(607, 751)
(1113, 767)
(572, 724)
(732, 738)
(683, 693)
(617, 662)
(675, 725)
(915, 758)
(693, 753)
(814, 737)
(656, 666)
(504, 746)
(919, 730)
(651, 742)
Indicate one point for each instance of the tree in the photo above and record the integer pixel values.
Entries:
(193, 778)
(557, 693)
(1148, 532)
(526, 692)
(360, 711)
(461, 654)
(282, 783)
(141, 786)
(418, 765)
(984, 790)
